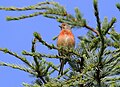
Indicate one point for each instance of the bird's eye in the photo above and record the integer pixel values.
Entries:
(63, 25)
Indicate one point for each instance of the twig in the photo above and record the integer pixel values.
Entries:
(24, 16)
(92, 29)
(96, 13)
(99, 29)
(36, 61)
(110, 25)
(17, 56)
(18, 67)
(33, 51)
(24, 8)
(42, 55)
(37, 36)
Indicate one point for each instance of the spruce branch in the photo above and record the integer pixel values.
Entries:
(35, 57)
(18, 67)
(46, 14)
(45, 8)
(95, 3)
(92, 29)
(29, 85)
(36, 61)
(52, 10)
(37, 36)
(53, 66)
(23, 9)
(49, 64)
(116, 51)
(9, 18)
(118, 6)
(78, 14)
(79, 77)
(53, 70)
(110, 79)
(39, 55)
(33, 48)
(96, 13)
(94, 62)
(5, 50)
(76, 21)
(45, 3)
(39, 6)
(79, 18)
(85, 48)
(64, 74)
(110, 25)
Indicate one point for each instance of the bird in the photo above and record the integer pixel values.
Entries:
(65, 40)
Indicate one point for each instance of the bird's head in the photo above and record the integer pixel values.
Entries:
(65, 26)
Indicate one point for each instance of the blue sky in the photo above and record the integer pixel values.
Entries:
(17, 35)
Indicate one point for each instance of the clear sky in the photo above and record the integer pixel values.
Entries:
(17, 35)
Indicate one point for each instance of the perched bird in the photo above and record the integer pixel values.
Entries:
(66, 41)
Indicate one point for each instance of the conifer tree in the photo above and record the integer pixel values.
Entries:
(92, 64)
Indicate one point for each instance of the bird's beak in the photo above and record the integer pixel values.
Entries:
(60, 26)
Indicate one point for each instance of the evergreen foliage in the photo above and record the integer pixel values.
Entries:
(93, 63)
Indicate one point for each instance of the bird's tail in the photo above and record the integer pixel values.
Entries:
(61, 67)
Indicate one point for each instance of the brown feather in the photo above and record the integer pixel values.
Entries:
(67, 41)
